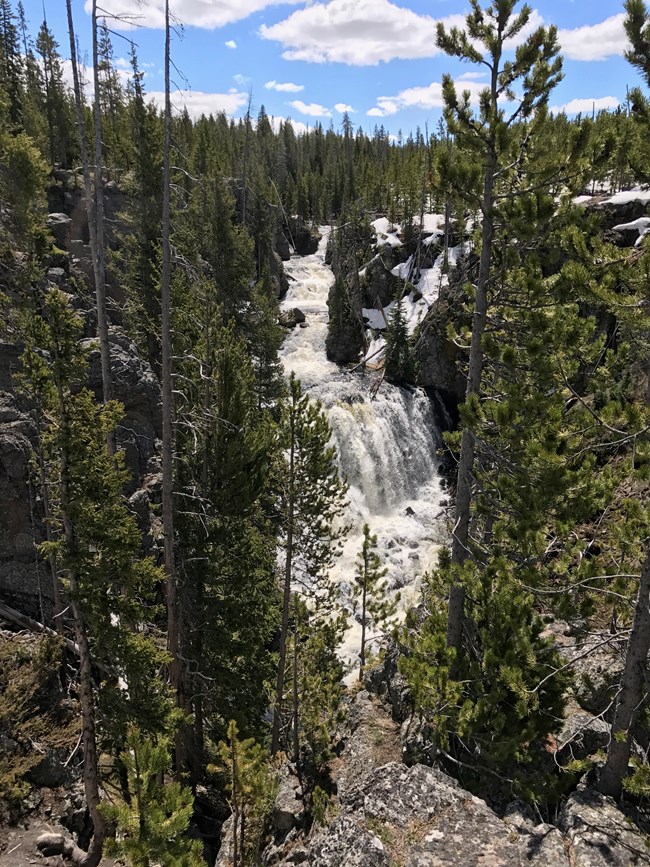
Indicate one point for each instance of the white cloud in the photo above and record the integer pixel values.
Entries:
(298, 126)
(230, 44)
(425, 97)
(595, 41)
(313, 109)
(286, 87)
(586, 106)
(341, 107)
(356, 32)
(242, 80)
(124, 14)
(198, 103)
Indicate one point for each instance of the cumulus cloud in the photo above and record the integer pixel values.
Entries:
(230, 44)
(198, 103)
(595, 41)
(313, 109)
(298, 126)
(356, 32)
(341, 107)
(286, 87)
(425, 97)
(586, 106)
(196, 13)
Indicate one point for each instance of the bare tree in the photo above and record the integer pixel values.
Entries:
(173, 620)
(94, 198)
(632, 691)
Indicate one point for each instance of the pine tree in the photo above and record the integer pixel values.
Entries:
(537, 69)
(152, 827)
(252, 789)
(370, 593)
(96, 546)
(312, 505)
(399, 361)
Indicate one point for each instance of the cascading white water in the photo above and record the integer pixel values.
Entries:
(386, 445)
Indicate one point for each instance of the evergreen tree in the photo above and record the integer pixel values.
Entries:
(252, 788)
(96, 545)
(370, 593)
(399, 363)
(152, 827)
(312, 502)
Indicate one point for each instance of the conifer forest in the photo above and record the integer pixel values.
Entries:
(324, 466)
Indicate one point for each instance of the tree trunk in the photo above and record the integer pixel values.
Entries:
(92, 200)
(173, 621)
(100, 273)
(460, 542)
(631, 692)
(362, 655)
(282, 661)
(86, 699)
(296, 714)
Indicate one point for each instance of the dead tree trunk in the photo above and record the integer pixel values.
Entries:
(95, 220)
(173, 619)
(632, 690)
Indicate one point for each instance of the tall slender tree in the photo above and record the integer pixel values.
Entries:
(534, 72)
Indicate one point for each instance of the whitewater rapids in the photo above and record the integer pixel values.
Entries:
(387, 447)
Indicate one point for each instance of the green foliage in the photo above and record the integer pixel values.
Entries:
(252, 787)
(152, 828)
(96, 542)
(33, 708)
(370, 593)
(400, 364)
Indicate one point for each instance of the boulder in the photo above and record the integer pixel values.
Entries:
(60, 225)
(347, 842)
(288, 807)
(581, 736)
(282, 247)
(600, 834)
(50, 772)
(543, 844)
(438, 357)
(379, 285)
(51, 843)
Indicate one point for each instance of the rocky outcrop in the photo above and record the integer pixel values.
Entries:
(380, 286)
(420, 817)
(24, 583)
(305, 239)
(438, 356)
(137, 388)
(600, 834)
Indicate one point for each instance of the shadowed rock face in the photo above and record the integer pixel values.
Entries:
(25, 581)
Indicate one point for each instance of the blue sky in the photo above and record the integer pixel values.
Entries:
(313, 60)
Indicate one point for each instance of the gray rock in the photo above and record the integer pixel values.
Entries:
(288, 808)
(57, 276)
(416, 736)
(379, 285)
(437, 355)
(61, 227)
(600, 834)
(581, 736)
(347, 842)
(50, 772)
(51, 843)
(373, 741)
(386, 681)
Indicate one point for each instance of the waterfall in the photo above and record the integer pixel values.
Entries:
(387, 445)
